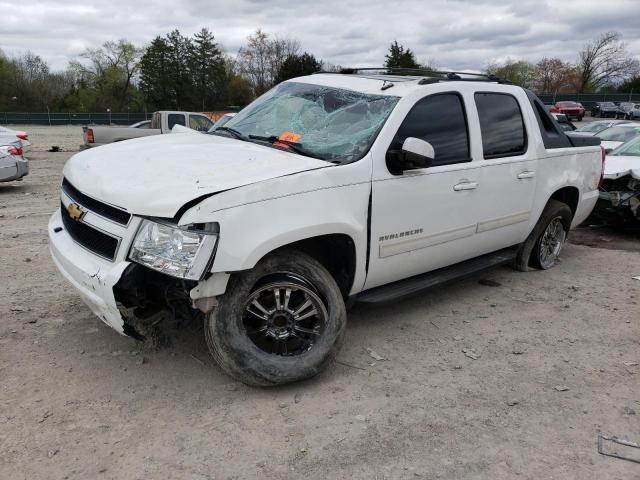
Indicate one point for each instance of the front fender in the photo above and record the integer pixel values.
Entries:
(249, 232)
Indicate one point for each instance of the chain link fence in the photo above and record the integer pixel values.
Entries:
(588, 99)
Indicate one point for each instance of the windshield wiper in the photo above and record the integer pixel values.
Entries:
(293, 146)
(235, 133)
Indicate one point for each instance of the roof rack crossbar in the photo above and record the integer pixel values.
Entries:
(425, 72)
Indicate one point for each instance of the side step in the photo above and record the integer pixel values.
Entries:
(419, 283)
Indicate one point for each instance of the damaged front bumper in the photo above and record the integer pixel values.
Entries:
(92, 276)
(619, 201)
(125, 295)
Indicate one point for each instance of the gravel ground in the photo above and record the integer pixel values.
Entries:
(556, 361)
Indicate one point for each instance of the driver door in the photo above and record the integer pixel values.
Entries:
(425, 218)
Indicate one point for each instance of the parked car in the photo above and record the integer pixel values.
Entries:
(564, 122)
(222, 121)
(592, 128)
(619, 198)
(570, 109)
(13, 165)
(161, 122)
(628, 110)
(9, 136)
(615, 136)
(604, 109)
(327, 189)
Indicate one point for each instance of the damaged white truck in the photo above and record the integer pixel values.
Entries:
(360, 186)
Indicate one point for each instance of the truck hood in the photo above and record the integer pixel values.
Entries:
(156, 176)
(619, 166)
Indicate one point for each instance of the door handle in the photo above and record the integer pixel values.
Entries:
(465, 186)
(526, 174)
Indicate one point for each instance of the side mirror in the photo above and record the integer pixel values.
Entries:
(417, 153)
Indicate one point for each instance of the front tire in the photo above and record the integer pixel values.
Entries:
(281, 322)
(542, 247)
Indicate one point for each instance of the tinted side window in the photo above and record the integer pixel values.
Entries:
(501, 124)
(175, 119)
(440, 120)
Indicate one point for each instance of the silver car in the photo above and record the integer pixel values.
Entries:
(13, 166)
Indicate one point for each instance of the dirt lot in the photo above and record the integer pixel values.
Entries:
(557, 361)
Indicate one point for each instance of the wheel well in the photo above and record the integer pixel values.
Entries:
(568, 196)
(336, 252)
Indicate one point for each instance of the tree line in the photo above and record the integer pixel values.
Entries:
(195, 73)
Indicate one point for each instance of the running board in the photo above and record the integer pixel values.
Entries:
(419, 283)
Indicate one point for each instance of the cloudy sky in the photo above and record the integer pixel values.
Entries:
(456, 34)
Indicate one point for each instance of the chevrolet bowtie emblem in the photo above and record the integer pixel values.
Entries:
(75, 211)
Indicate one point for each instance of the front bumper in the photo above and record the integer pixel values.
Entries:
(91, 275)
(13, 169)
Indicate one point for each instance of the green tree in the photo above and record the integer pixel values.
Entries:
(298, 66)
(398, 57)
(631, 84)
(178, 72)
(110, 70)
(155, 79)
(519, 72)
(207, 67)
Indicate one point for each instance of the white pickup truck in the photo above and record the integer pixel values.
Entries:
(328, 189)
(161, 122)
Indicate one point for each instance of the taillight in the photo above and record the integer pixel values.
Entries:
(90, 135)
(604, 157)
(554, 109)
(23, 136)
(17, 151)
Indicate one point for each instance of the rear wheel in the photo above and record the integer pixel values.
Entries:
(281, 322)
(542, 247)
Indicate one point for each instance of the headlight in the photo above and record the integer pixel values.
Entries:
(182, 252)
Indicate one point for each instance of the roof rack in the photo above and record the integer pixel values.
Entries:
(431, 76)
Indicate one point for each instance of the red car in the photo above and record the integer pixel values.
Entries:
(570, 109)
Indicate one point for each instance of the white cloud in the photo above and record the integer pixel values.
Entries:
(461, 34)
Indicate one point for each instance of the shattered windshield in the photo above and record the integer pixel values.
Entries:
(314, 120)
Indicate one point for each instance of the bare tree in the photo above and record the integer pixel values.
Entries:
(262, 58)
(602, 61)
(552, 75)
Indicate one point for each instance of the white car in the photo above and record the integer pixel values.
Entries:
(13, 165)
(619, 199)
(612, 137)
(327, 189)
(8, 135)
(592, 128)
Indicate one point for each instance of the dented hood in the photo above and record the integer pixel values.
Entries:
(155, 176)
(617, 166)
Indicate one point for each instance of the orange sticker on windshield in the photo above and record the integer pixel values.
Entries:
(290, 137)
(287, 137)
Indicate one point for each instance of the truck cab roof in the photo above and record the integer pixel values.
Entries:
(393, 82)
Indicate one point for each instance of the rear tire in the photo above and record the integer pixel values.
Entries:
(274, 341)
(543, 245)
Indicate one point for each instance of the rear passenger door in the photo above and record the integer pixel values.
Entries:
(507, 178)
